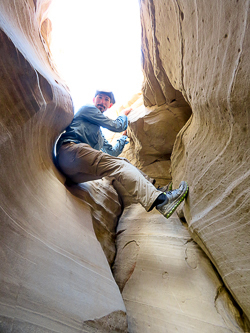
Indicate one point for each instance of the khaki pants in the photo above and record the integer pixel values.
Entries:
(81, 163)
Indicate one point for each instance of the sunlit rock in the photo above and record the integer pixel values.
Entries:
(54, 274)
(201, 49)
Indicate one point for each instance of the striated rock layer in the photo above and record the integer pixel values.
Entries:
(54, 274)
(202, 49)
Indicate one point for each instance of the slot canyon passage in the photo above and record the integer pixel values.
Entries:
(85, 258)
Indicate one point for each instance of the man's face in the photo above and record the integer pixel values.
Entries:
(102, 102)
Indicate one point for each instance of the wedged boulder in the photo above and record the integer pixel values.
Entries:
(152, 132)
(54, 274)
(202, 50)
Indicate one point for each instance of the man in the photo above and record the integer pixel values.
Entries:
(83, 154)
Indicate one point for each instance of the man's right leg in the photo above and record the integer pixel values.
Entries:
(82, 163)
(79, 162)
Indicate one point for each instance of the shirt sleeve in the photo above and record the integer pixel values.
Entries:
(117, 148)
(95, 116)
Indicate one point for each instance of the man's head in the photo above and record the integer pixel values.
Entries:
(103, 100)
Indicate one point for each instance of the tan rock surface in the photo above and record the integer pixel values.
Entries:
(54, 274)
(106, 208)
(167, 282)
(201, 49)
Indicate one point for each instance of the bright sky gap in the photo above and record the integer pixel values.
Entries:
(97, 44)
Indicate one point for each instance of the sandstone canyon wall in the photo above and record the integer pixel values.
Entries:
(201, 49)
(54, 274)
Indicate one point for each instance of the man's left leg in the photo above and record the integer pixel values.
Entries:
(140, 188)
(130, 178)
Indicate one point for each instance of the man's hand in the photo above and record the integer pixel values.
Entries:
(126, 111)
(124, 139)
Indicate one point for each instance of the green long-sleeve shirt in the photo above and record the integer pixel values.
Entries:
(85, 128)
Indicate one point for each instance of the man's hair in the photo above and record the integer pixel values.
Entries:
(108, 93)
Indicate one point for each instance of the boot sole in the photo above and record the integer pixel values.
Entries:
(174, 205)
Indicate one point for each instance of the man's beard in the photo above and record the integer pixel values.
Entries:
(101, 107)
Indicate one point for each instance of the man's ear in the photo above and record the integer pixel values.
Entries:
(94, 99)
(110, 105)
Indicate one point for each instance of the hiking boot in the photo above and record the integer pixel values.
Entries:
(174, 198)
(165, 188)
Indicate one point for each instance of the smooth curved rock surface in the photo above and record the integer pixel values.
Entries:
(202, 49)
(106, 208)
(54, 274)
(168, 283)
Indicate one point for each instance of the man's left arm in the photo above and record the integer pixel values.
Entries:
(121, 142)
(117, 148)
